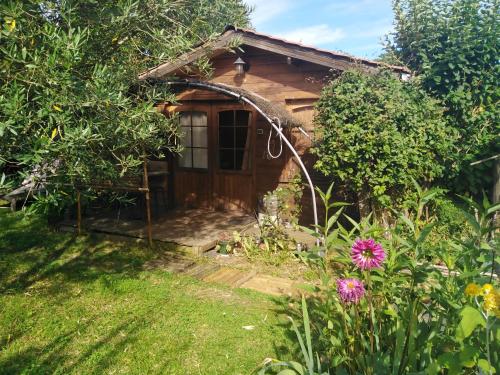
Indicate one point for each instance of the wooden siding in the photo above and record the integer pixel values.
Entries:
(297, 86)
(270, 76)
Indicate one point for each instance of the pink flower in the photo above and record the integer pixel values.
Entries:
(350, 290)
(367, 254)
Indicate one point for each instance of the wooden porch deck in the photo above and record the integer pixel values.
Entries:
(196, 228)
(199, 230)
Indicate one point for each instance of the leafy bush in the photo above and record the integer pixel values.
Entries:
(377, 134)
(452, 222)
(289, 197)
(386, 308)
(454, 46)
(71, 104)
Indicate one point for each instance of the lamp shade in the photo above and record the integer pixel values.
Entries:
(240, 66)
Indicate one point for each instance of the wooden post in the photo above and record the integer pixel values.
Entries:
(78, 213)
(13, 205)
(148, 202)
(170, 181)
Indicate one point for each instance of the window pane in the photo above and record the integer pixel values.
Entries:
(199, 118)
(226, 137)
(242, 118)
(226, 159)
(200, 137)
(185, 138)
(185, 159)
(242, 160)
(185, 119)
(200, 158)
(234, 140)
(241, 137)
(226, 118)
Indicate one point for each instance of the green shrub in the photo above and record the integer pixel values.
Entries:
(452, 222)
(71, 105)
(453, 46)
(377, 134)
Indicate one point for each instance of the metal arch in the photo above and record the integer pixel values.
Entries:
(242, 98)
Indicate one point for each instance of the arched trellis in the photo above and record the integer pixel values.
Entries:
(228, 91)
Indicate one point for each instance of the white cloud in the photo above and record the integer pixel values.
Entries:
(314, 35)
(266, 10)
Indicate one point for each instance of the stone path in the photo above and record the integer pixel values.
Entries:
(212, 272)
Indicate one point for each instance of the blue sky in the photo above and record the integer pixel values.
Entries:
(353, 26)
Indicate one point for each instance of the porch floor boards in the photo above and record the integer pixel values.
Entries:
(198, 229)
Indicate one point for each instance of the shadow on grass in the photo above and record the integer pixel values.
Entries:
(31, 252)
(20, 233)
(283, 308)
(56, 356)
(34, 258)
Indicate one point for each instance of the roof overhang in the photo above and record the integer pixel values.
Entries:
(329, 59)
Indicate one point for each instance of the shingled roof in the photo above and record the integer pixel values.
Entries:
(330, 59)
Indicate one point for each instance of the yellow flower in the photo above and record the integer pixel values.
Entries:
(472, 290)
(11, 24)
(487, 289)
(492, 303)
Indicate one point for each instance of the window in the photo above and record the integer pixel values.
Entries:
(234, 140)
(194, 139)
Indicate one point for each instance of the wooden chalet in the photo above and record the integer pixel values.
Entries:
(233, 153)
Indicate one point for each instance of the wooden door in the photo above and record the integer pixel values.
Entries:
(216, 169)
(233, 169)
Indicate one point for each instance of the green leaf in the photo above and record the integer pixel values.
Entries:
(449, 361)
(307, 331)
(487, 368)
(408, 222)
(301, 342)
(471, 203)
(471, 319)
(425, 232)
(493, 209)
(471, 220)
(467, 356)
(289, 372)
(334, 218)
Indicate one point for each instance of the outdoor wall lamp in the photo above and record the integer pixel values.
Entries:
(241, 66)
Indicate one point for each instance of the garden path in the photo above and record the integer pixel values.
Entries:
(210, 271)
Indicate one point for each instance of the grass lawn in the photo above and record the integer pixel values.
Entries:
(88, 306)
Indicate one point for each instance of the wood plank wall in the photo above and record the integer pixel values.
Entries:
(297, 86)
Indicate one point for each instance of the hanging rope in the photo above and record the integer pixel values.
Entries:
(276, 119)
